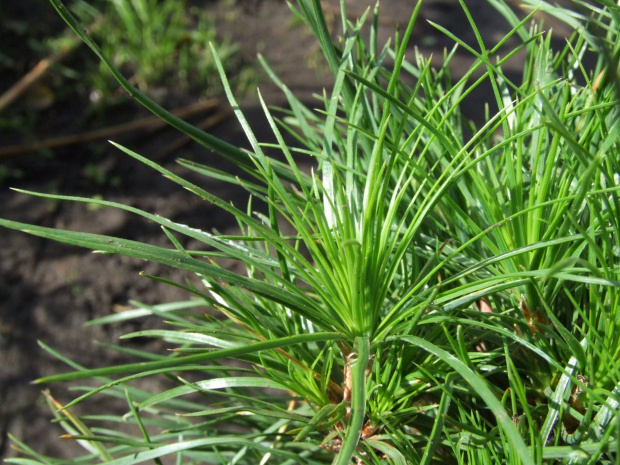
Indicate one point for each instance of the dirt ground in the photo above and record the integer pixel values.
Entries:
(49, 291)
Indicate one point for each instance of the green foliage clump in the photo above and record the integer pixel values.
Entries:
(433, 292)
(159, 42)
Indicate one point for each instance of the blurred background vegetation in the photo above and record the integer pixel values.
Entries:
(51, 85)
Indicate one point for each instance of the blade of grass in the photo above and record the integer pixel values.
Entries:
(481, 389)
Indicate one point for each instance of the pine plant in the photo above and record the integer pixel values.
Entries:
(432, 291)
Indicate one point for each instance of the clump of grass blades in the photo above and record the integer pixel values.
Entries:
(158, 43)
(449, 293)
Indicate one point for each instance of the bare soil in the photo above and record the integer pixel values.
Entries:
(48, 291)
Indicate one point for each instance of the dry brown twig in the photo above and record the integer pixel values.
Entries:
(151, 122)
(42, 67)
